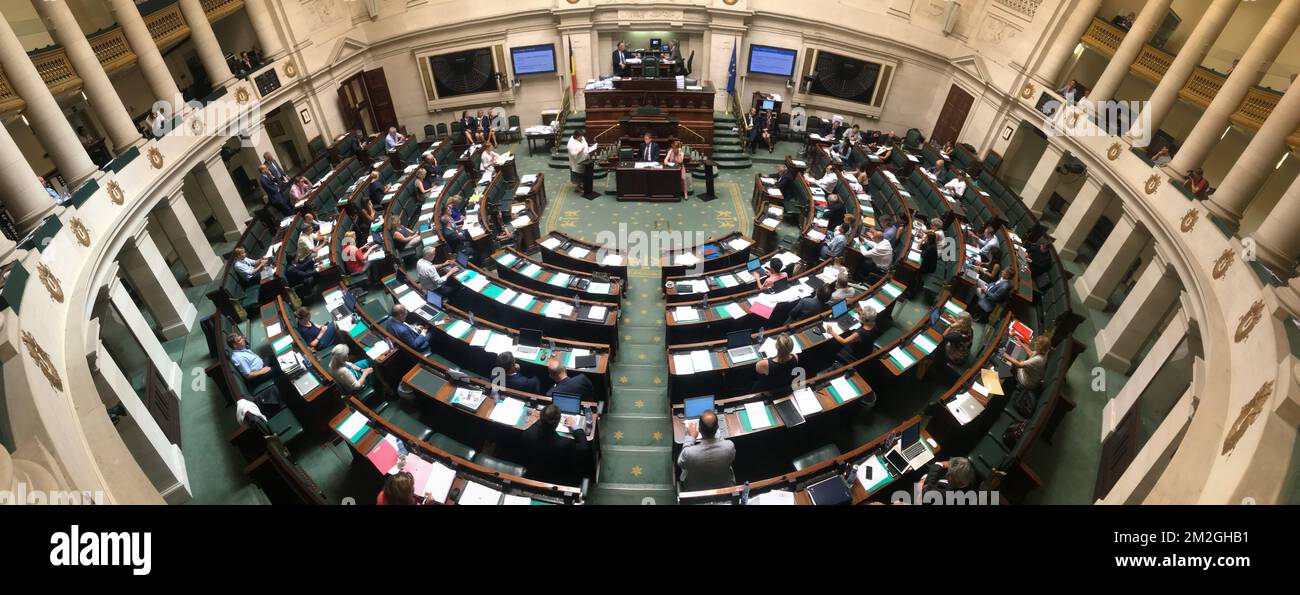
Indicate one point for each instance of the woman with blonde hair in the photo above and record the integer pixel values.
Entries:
(355, 259)
(777, 371)
(351, 377)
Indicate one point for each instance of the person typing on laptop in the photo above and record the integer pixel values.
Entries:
(550, 456)
(705, 459)
(412, 335)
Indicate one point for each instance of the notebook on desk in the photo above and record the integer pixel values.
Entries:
(831, 491)
(789, 412)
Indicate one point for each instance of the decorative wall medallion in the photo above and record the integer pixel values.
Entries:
(727, 2)
(155, 158)
(1027, 92)
(576, 1)
(50, 282)
(1189, 220)
(242, 95)
(115, 193)
(1247, 322)
(79, 230)
(1153, 184)
(290, 70)
(1246, 417)
(1221, 265)
(42, 360)
(1113, 152)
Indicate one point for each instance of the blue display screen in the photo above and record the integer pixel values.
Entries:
(769, 60)
(533, 59)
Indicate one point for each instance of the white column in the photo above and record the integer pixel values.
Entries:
(101, 95)
(1136, 319)
(148, 57)
(1153, 13)
(1042, 182)
(1103, 275)
(1185, 62)
(139, 325)
(1277, 241)
(186, 236)
(1168, 341)
(1068, 38)
(162, 461)
(259, 14)
(43, 112)
(154, 282)
(223, 197)
(1264, 48)
(24, 198)
(1257, 162)
(1080, 217)
(205, 41)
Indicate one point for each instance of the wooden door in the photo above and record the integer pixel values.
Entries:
(381, 101)
(953, 117)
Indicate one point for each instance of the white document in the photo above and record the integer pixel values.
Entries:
(506, 295)
(516, 500)
(480, 337)
(508, 411)
(903, 358)
(499, 343)
(612, 260)
(805, 400)
(734, 310)
(597, 313)
(843, 387)
(686, 314)
(702, 360)
(686, 259)
(477, 494)
(274, 330)
(439, 483)
(551, 242)
(477, 282)
(411, 300)
(738, 244)
(598, 288)
(377, 350)
(683, 363)
(579, 252)
(773, 498)
(879, 474)
(352, 425)
(758, 417)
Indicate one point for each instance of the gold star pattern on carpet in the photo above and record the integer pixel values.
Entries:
(658, 380)
(639, 404)
(622, 379)
(658, 436)
(636, 470)
(640, 356)
(619, 435)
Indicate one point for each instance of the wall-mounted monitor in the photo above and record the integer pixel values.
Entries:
(771, 60)
(533, 59)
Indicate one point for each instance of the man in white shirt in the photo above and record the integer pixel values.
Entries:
(879, 252)
(433, 283)
(578, 150)
(829, 180)
(955, 187)
(393, 139)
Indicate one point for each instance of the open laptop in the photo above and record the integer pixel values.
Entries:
(910, 452)
(570, 409)
(753, 265)
(694, 407)
(840, 314)
(530, 343)
(739, 346)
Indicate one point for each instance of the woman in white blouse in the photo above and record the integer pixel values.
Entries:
(351, 377)
(489, 158)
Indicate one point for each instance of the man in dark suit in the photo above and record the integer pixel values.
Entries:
(273, 166)
(784, 181)
(649, 149)
(812, 305)
(515, 379)
(411, 335)
(551, 457)
(578, 385)
(375, 190)
(834, 211)
(835, 129)
(620, 60)
(675, 54)
(764, 131)
(274, 197)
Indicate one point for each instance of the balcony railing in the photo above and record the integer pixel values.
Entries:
(166, 25)
(1152, 63)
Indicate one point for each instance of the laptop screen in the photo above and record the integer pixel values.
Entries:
(696, 406)
(896, 461)
(753, 265)
(530, 337)
(839, 309)
(567, 403)
(911, 435)
(738, 339)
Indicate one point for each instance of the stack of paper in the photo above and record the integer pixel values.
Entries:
(805, 400)
(683, 363)
(477, 494)
(685, 314)
(758, 416)
(702, 360)
(508, 411)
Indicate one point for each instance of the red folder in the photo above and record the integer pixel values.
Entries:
(383, 455)
(761, 309)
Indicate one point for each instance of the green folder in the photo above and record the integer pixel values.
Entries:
(842, 398)
(744, 418)
(493, 291)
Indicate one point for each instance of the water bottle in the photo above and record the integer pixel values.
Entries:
(706, 301)
(471, 319)
(761, 333)
(744, 494)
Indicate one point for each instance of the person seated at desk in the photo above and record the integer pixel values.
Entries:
(957, 339)
(812, 305)
(955, 187)
(515, 379)
(299, 190)
(359, 146)
(249, 365)
(767, 133)
(620, 59)
(433, 277)
(550, 457)
(362, 217)
(759, 131)
(393, 139)
(939, 168)
(564, 383)
(470, 125)
(706, 463)
(489, 158)
(750, 118)
(834, 213)
(880, 253)
(776, 372)
(422, 182)
(784, 180)
(301, 273)
(674, 156)
(861, 341)
(317, 336)
(398, 490)
(1030, 371)
(853, 136)
(355, 260)
(350, 376)
(946, 476)
(992, 294)
(931, 239)
(834, 129)
(842, 290)
(431, 169)
(405, 237)
(776, 272)
(829, 180)
(1040, 258)
(988, 243)
(412, 335)
(309, 235)
(486, 133)
(247, 269)
(843, 149)
(836, 241)
(453, 210)
(649, 152)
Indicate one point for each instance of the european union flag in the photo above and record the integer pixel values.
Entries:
(731, 73)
